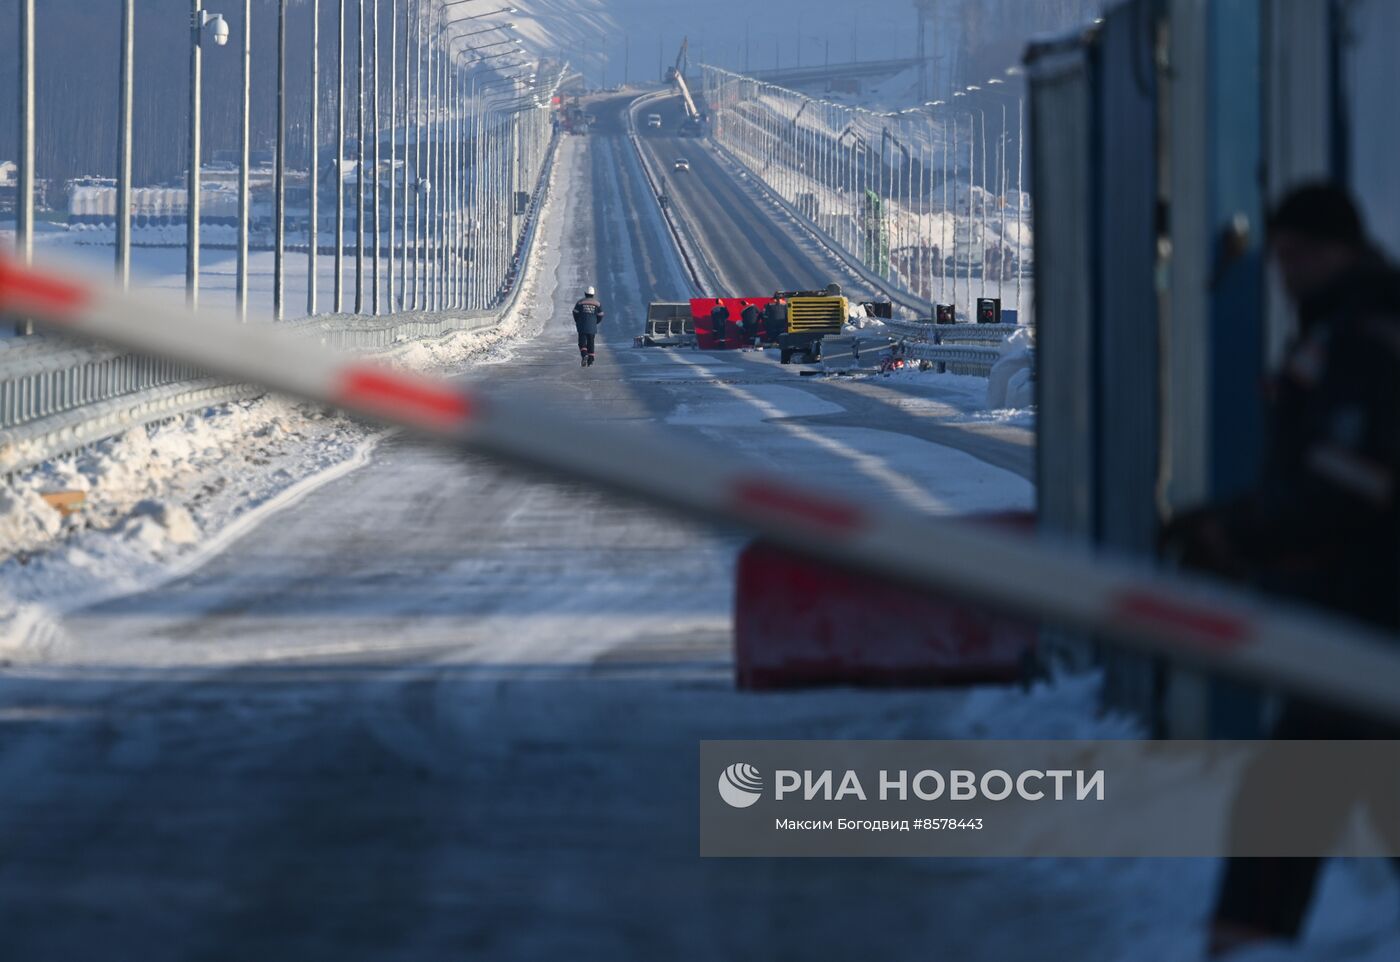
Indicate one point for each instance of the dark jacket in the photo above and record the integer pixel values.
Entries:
(774, 320)
(588, 313)
(719, 318)
(748, 317)
(1321, 525)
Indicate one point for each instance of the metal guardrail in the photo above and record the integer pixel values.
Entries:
(952, 333)
(973, 333)
(955, 358)
(57, 397)
(952, 348)
(867, 352)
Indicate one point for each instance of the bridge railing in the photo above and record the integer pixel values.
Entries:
(57, 397)
(928, 199)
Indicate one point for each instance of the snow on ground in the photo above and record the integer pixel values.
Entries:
(868, 463)
(153, 494)
(966, 393)
(174, 493)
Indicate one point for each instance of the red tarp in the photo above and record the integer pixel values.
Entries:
(700, 308)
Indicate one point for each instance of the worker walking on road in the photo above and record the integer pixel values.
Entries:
(588, 314)
(1321, 524)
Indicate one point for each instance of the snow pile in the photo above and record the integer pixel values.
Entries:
(149, 496)
(860, 321)
(174, 493)
(1009, 385)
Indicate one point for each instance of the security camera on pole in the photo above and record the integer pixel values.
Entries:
(201, 21)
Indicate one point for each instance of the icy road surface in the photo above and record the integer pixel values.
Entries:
(434, 711)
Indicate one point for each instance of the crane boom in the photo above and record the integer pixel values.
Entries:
(678, 75)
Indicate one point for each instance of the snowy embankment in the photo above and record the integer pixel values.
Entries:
(158, 501)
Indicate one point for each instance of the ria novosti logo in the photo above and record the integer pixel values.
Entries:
(740, 785)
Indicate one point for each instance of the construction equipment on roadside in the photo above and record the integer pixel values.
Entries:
(669, 324)
(573, 118)
(811, 316)
(693, 125)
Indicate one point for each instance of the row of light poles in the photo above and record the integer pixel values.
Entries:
(873, 172)
(450, 132)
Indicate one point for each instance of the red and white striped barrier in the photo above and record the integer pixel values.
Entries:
(1186, 620)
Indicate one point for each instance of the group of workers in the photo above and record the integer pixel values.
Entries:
(755, 326)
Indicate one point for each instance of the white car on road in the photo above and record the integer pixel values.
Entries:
(682, 164)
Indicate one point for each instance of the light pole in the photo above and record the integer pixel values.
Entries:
(475, 16)
(374, 176)
(430, 163)
(244, 147)
(1020, 199)
(959, 93)
(393, 137)
(313, 239)
(449, 79)
(429, 168)
(1003, 180)
(971, 216)
(1001, 204)
(417, 97)
(24, 206)
(420, 185)
(477, 33)
(943, 213)
(360, 165)
(339, 282)
(124, 145)
(279, 199)
(199, 20)
(451, 197)
(405, 122)
(487, 249)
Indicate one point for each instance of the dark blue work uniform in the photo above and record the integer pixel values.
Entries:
(588, 314)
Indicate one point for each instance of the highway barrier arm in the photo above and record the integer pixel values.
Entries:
(1183, 619)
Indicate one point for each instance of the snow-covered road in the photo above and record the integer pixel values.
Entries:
(427, 709)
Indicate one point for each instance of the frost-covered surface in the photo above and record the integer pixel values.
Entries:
(965, 392)
(152, 495)
(171, 494)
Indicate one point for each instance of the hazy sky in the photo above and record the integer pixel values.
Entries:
(604, 31)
